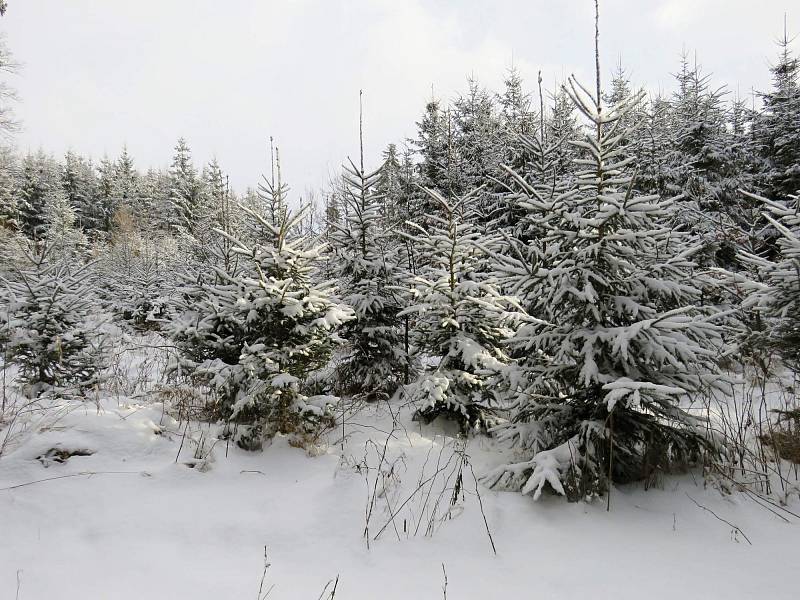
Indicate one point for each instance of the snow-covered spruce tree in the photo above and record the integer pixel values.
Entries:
(518, 121)
(516, 116)
(777, 296)
(151, 209)
(475, 138)
(138, 269)
(375, 360)
(698, 154)
(621, 90)
(390, 189)
(534, 167)
(777, 128)
(272, 192)
(67, 242)
(398, 193)
(460, 320)
(518, 128)
(50, 323)
(254, 334)
(138, 258)
(8, 189)
(745, 230)
(653, 142)
(212, 211)
(542, 157)
(79, 183)
(38, 178)
(562, 126)
(431, 146)
(185, 193)
(222, 214)
(702, 170)
(614, 341)
(126, 181)
(105, 201)
(439, 168)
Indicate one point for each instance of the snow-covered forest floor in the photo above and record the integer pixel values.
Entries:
(153, 506)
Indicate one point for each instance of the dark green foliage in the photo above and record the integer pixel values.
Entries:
(253, 335)
(50, 323)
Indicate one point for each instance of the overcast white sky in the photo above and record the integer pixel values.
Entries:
(228, 74)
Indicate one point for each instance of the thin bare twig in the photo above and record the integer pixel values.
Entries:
(735, 527)
(81, 474)
(483, 513)
(267, 565)
(332, 595)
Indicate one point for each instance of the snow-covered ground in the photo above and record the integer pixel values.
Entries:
(137, 519)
